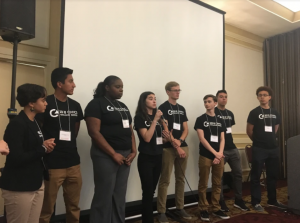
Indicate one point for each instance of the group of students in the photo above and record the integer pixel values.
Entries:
(42, 151)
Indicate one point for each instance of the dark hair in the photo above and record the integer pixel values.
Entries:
(141, 107)
(221, 91)
(100, 90)
(27, 93)
(60, 75)
(264, 88)
(210, 96)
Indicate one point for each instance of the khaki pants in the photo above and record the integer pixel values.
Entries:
(205, 165)
(170, 159)
(71, 181)
(23, 207)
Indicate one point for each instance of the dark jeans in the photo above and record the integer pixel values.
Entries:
(149, 168)
(232, 157)
(269, 157)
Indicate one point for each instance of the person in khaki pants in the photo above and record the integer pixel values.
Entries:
(175, 115)
(210, 130)
(61, 121)
(22, 180)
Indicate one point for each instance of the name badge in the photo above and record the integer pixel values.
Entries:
(214, 138)
(159, 141)
(268, 128)
(228, 130)
(125, 123)
(65, 135)
(176, 126)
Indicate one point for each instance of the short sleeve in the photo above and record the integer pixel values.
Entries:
(233, 120)
(278, 118)
(251, 118)
(198, 124)
(80, 113)
(139, 122)
(185, 119)
(163, 109)
(93, 109)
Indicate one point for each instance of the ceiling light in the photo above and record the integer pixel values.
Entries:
(292, 5)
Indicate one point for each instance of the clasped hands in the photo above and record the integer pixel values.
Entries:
(218, 157)
(175, 143)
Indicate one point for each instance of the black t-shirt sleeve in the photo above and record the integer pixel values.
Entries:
(93, 109)
(163, 109)
(251, 118)
(139, 122)
(233, 120)
(185, 119)
(199, 124)
(80, 113)
(278, 118)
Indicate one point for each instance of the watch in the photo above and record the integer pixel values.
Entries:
(182, 141)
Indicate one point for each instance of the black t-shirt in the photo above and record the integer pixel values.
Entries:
(149, 148)
(260, 118)
(174, 113)
(210, 126)
(228, 121)
(111, 113)
(56, 118)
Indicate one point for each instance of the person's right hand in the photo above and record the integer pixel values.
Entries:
(49, 144)
(219, 156)
(158, 115)
(4, 150)
(216, 161)
(118, 158)
(181, 152)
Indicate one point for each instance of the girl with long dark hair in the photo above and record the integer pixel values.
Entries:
(150, 129)
(113, 149)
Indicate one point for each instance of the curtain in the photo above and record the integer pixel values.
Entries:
(282, 74)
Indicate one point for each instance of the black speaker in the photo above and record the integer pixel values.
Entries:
(17, 19)
(293, 166)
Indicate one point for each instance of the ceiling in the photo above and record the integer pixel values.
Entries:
(252, 18)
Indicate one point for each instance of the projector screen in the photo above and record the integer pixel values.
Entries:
(146, 43)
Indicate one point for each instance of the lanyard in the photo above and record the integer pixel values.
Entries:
(43, 142)
(59, 114)
(118, 110)
(224, 119)
(177, 111)
(209, 124)
(264, 116)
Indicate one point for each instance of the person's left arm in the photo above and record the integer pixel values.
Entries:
(132, 155)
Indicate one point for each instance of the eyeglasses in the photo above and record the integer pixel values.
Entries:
(176, 90)
(263, 95)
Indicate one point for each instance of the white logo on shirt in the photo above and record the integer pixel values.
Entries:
(206, 124)
(262, 116)
(175, 112)
(224, 117)
(109, 108)
(54, 113)
(40, 134)
(146, 123)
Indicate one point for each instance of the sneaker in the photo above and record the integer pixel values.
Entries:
(221, 214)
(258, 207)
(239, 203)
(162, 218)
(223, 205)
(279, 205)
(204, 216)
(182, 213)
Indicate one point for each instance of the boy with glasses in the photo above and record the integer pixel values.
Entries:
(262, 126)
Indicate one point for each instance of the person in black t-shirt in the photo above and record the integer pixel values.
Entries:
(175, 114)
(22, 178)
(149, 127)
(109, 125)
(262, 126)
(231, 153)
(210, 129)
(61, 121)
(4, 150)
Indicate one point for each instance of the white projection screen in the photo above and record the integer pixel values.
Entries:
(147, 43)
